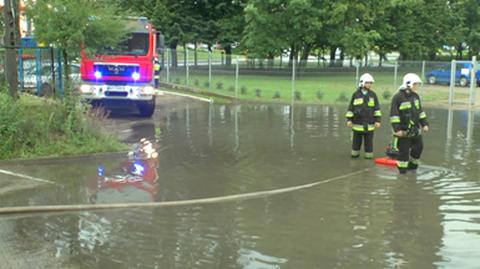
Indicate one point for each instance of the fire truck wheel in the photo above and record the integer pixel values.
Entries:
(146, 108)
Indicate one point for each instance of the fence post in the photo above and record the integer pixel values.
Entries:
(423, 72)
(38, 70)
(168, 65)
(187, 71)
(395, 75)
(293, 78)
(59, 71)
(452, 82)
(209, 70)
(423, 69)
(236, 78)
(357, 71)
(20, 69)
(52, 70)
(473, 81)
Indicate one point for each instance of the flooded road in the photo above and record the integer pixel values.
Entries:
(371, 219)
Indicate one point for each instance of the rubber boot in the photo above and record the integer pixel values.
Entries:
(368, 155)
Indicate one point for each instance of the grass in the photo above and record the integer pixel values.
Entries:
(33, 127)
(279, 88)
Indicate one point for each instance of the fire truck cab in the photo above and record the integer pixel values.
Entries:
(122, 76)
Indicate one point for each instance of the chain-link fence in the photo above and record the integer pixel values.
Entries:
(315, 80)
(40, 71)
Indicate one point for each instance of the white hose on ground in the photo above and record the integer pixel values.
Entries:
(212, 200)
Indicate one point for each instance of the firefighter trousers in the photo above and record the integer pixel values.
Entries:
(367, 138)
(409, 150)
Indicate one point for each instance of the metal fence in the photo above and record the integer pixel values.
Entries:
(280, 78)
(40, 71)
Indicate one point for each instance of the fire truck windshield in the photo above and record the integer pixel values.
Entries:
(136, 44)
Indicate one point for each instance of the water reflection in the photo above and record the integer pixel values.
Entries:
(427, 219)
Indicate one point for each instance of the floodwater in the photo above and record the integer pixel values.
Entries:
(372, 219)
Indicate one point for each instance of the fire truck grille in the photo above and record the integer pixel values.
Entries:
(116, 70)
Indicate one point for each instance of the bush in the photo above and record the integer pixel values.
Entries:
(206, 84)
(196, 82)
(219, 85)
(258, 92)
(276, 95)
(42, 127)
(243, 90)
(343, 97)
(297, 95)
(319, 94)
(386, 95)
(231, 89)
(177, 80)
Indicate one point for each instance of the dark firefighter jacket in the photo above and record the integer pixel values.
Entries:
(364, 111)
(406, 113)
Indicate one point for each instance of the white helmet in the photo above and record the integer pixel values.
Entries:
(365, 78)
(409, 79)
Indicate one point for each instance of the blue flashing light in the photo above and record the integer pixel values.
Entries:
(138, 169)
(136, 76)
(98, 74)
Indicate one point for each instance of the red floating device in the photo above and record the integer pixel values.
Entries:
(386, 161)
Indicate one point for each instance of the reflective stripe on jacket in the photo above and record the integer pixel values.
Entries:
(364, 111)
(406, 112)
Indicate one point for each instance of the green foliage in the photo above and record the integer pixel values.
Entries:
(42, 127)
(243, 90)
(219, 85)
(276, 95)
(258, 92)
(196, 82)
(297, 95)
(386, 95)
(342, 97)
(304, 27)
(231, 89)
(206, 84)
(319, 94)
(69, 23)
(177, 80)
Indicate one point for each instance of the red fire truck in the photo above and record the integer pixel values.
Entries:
(123, 75)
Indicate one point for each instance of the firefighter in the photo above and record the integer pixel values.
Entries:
(363, 116)
(408, 121)
(156, 72)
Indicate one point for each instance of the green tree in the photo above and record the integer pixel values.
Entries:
(272, 26)
(69, 24)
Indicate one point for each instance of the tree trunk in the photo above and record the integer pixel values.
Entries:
(459, 51)
(195, 55)
(11, 40)
(66, 74)
(366, 59)
(185, 55)
(228, 54)
(333, 51)
(380, 61)
(270, 57)
(305, 53)
(293, 55)
(174, 58)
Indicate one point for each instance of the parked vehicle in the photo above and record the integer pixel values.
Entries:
(45, 78)
(442, 74)
(123, 75)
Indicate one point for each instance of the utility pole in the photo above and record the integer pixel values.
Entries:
(11, 40)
